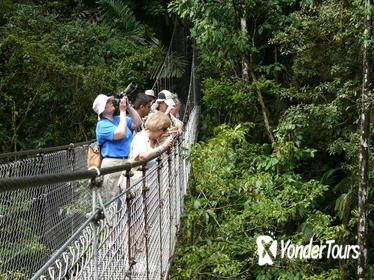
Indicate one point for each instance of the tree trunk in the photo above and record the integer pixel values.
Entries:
(243, 26)
(245, 75)
(364, 150)
(263, 108)
(343, 240)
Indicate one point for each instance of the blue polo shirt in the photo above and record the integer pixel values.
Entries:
(104, 134)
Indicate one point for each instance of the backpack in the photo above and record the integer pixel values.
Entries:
(94, 157)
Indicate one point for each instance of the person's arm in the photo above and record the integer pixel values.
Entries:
(136, 119)
(168, 143)
(121, 129)
(169, 109)
(177, 124)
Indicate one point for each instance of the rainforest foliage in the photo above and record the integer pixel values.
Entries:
(279, 130)
(278, 156)
(56, 56)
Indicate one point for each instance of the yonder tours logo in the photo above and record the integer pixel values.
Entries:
(265, 253)
(267, 249)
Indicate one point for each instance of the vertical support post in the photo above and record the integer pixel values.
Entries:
(145, 189)
(176, 186)
(71, 162)
(175, 167)
(160, 201)
(193, 75)
(94, 185)
(94, 241)
(70, 154)
(129, 197)
(40, 163)
(181, 177)
(169, 153)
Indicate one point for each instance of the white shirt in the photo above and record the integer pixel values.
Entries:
(141, 144)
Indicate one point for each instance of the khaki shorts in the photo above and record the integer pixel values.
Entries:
(112, 181)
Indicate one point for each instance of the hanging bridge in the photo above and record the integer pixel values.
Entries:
(54, 225)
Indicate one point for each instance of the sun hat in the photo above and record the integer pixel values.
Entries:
(99, 104)
(169, 102)
(150, 92)
(165, 96)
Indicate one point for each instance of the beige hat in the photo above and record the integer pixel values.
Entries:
(166, 96)
(99, 104)
(150, 92)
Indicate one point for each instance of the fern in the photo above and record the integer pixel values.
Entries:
(329, 177)
(173, 67)
(345, 201)
(116, 12)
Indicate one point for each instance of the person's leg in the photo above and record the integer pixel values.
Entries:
(111, 181)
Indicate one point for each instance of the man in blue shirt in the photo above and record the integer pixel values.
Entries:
(114, 135)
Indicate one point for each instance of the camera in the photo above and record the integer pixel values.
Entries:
(129, 89)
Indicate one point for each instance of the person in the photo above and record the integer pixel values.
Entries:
(142, 106)
(146, 143)
(114, 135)
(175, 110)
(166, 104)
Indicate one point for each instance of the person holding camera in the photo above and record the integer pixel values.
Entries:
(114, 136)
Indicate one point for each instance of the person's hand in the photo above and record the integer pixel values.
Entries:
(180, 131)
(169, 132)
(123, 104)
(168, 143)
(169, 109)
(166, 133)
(173, 130)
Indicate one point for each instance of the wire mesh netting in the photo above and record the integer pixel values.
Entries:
(134, 240)
(36, 222)
(53, 231)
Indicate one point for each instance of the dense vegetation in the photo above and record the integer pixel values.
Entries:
(280, 131)
(56, 56)
(281, 86)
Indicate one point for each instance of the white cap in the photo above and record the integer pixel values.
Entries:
(150, 92)
(166, 96)
(169, 102)
(99, 103)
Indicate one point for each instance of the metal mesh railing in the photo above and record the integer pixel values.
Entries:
(135, 240)
(56, 230)
(36, 222)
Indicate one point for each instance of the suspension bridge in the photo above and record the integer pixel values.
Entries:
(54, 225)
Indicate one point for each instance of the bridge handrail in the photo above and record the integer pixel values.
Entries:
(68, 165)
(93, 217)
(25, 182)
(45, 150)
